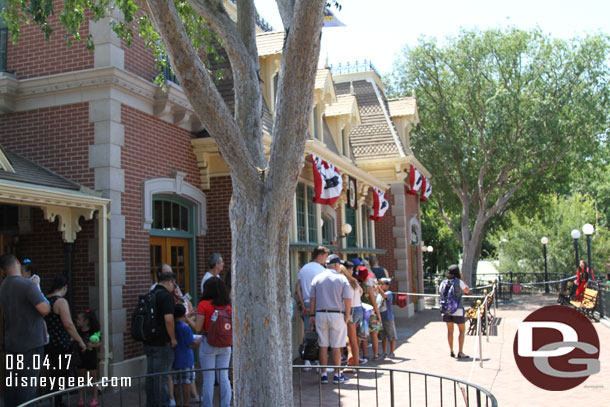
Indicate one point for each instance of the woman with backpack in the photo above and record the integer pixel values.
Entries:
(214, 321)
(452, 307)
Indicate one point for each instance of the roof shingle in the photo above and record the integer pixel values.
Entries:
(270, 43)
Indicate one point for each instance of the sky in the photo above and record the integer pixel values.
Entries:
(377, 30)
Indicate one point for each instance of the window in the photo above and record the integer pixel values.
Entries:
(327, 230)
(307, 230)
(344, 144)
(367, 228)
(350, 217)
(276, 79)
(170, 216)
(3, 43)
(316, 123)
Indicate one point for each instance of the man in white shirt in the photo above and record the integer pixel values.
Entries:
(215, 266)
(306, 276)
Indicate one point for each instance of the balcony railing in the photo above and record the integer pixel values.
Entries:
(354, 67)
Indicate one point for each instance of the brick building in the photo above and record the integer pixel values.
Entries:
(133, 180)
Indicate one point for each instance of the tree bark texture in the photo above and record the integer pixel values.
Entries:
(263, 190)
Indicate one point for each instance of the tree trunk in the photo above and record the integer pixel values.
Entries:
(262, 358)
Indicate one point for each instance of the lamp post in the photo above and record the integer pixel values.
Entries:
(588, 231)
(544, 242)
(576, 235)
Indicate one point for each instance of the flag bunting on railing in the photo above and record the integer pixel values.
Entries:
(426, 189)
(380, 205)
(328, 183)
(415, 180)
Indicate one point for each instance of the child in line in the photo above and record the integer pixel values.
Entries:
(184, 360)
(387, 317)
(28, 270)
(87, 325)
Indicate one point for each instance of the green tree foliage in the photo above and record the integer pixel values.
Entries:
(437, 234)
(520, 249)
(504, 114)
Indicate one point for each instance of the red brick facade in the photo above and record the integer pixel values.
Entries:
(384, 238)
(57, 138)
(33, 56)
(153, 148)
(218, 236)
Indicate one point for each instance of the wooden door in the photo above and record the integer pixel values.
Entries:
(175, 252)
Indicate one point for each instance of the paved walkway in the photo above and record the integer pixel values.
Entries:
(423, 347)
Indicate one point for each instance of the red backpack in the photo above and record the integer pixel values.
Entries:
(220, 333)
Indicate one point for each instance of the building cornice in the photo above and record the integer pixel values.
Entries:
(169, 104)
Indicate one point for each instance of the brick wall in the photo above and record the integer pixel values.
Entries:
(33, 56)
(152, 149)
(218, 238)
(139, 60)
(44, 246)
(56, 138)
(384, 238)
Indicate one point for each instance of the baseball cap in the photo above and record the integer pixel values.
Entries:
(333, 259)
(386, 280)
(356, 261)
(361, 273)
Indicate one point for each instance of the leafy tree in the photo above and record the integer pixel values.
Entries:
(263, 188)
(437, 234)
(520, 249)
(502, 112)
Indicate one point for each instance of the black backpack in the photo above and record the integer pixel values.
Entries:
(144, 318)
(309, 349)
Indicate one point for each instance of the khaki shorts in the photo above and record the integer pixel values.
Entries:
(331, 329)
(389, 331)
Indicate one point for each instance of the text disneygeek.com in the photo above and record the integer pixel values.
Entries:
(62, 383)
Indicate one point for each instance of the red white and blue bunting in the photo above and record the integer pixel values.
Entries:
(415, 180)
(380, 205)
(419, 182)
(328, 182)
(426, 190)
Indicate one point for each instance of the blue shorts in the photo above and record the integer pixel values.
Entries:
(456, 319)
(356, 315)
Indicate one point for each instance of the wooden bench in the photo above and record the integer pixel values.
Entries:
(587, 305)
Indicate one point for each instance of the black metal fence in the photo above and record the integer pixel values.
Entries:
(368, 386)
(602, 306)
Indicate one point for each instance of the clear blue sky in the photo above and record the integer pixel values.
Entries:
(376, 30)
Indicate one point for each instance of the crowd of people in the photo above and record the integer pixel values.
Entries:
(39, 332)
(346, 303)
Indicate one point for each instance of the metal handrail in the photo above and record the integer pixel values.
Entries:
(435, 387)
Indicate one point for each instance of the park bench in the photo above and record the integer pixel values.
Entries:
(587, 305)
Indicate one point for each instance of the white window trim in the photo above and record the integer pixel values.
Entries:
(176, 186)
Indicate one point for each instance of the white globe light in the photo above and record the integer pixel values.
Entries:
(544, 240)
(346, 228)
(424, 248)
(575, 234)
(430, 249)
(588, 229)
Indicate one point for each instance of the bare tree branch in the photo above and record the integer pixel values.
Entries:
(447, 221)
(241, 50)
(199, 86)
(295, 93)
(286, 9)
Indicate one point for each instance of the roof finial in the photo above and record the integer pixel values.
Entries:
(326, 65)
(351, 89)
(413, 93)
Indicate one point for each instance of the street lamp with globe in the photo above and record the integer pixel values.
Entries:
(545, 241)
